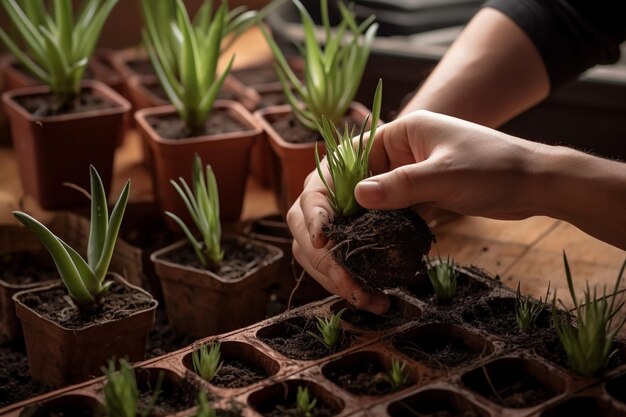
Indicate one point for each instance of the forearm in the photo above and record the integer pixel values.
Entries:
(492, 73)
(586, 191)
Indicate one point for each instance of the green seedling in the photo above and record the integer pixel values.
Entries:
(121, 395)
(526, 311)
(398, 373)
(330, 330)
(443, 277)
(206, 361)
(304, 402)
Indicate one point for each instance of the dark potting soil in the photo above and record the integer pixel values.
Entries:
(441, 353)
(16, 383)
(295, 342)
(522, 394)
(24, 268)
(162, 338)
(173, 127)
(55, 305)
(290, 409)
(240, 257)
(45, 105)
(256, 76)
(290, 129)
(238, 374)
(171, 399)
(397, 239)
(466, 287)
(365, 320)
(368, 378)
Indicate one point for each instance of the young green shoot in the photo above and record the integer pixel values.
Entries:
(330, 330)
(347, 162)
(443, 277)
(57, 45)
(398, 373)
(589, 344)
(526, 311)
(85, 280)
(121, 395)
(204, 408)
(333, 73)
(304, 402)
(206, 361)
(189, 75)
(202, 201)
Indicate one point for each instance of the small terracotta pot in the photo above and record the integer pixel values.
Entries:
(200, 303)
(13, 77)
(54, 150)
(228, 154)
(295, 160)
(58, 355)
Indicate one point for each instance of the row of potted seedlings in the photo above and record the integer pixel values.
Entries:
(428, 356)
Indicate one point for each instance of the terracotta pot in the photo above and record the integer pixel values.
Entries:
(58, 355)
(292, 162)
(200, 303)
(13, 77)
(54, 150)
(228, 154)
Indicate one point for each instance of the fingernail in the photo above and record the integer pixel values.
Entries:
(372, 191)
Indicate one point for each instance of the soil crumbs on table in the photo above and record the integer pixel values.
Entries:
(238, 374)
(24, 268)
(173, 127)
(46, 105)
(16, 383)
(54, 304)
(240, 257)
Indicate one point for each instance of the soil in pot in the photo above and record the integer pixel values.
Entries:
(240, 257)
(16, 383)
(442, 345)
(399, 313)
(514, 382)
(173, 127)
(466, 287)
(279, 400)
(435, 403)
(55, 305)
(398, 239)
(238, 374)
(292, 339)
(72, 405)
(142, 67)
(46, 105)
(362, 373)
(175, 394)
(24, 268)
(290, 129)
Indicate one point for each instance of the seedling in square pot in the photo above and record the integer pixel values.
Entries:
(330, 330)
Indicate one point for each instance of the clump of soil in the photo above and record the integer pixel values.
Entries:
(466, 287)
(238, 374)
(293, 340)
(290, 129)
(382, 249)
(173, 397)
(173, 127)
(16, 383)
(45, 105)
(56, 305)
(240, 257)
(24, 268)
(369, 378)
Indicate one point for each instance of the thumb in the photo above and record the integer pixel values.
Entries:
(400, 188)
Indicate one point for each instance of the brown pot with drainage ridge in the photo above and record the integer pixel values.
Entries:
(200, 302)
(64, 349)
(57, 149)
(293, 149)
(227, 151)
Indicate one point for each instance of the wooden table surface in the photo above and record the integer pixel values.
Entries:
(528, 251)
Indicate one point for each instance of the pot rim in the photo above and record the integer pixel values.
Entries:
(121, 104)
(115, 276)
(276, 252)
(253, 131)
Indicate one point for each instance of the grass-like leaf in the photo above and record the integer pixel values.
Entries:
(348, 163)
(206, 361)
(527, 311)
(589, 344)
(333, 73)
(85, 280)
(57, 46)
(330, 330)
(398, 373)
(121, 396)
(202, 202)
(443, 277)
(305, 403)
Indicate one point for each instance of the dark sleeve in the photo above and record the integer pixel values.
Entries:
(570, 35)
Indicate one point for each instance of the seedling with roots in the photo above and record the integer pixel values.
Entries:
(304, 402)
(443, 277)
(330, 330)
(206, 361)
(527, 311)
(589, 344)
(398, 373)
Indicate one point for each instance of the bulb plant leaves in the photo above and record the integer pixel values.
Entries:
(58, 45)
(527, 311)
(588, 345)
(330, 330)
(206, 361)
(333, 73)
(398, 374)
(305, 403)
(443, 277)
(202, 202)
(85, 279)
